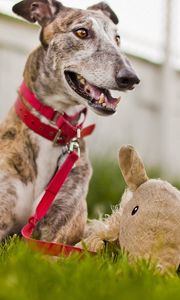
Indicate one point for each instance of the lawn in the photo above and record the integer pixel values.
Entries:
(26, 274)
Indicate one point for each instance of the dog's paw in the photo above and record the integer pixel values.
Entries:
(92, 243)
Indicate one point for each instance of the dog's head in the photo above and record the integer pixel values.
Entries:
(82, 52)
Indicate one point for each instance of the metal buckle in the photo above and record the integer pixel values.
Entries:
(74, 146)
(74, 143)
(57, 137)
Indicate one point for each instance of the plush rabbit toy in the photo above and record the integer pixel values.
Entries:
(146, 224)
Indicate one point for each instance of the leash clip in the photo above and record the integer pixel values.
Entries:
(74, 146)
(74, 143)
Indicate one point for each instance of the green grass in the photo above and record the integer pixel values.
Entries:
(26, 274)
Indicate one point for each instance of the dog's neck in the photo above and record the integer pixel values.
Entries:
(40, 80)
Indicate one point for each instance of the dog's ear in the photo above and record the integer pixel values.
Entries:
(105, 8)
(41, 11)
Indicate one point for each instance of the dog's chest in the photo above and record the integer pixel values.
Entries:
(46, 164)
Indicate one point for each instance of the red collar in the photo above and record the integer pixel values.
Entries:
(61, 131)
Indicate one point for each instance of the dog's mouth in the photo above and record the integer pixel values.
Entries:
(99, 99)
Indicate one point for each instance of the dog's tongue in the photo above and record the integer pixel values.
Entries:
(101, 96)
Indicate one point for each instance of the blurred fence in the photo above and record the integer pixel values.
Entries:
(148, 118)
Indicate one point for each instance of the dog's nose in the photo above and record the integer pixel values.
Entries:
(126, 79)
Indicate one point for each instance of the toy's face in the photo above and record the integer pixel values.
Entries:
(150, 223)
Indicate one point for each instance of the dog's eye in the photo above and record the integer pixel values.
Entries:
(81, 33)
(118, 39)
(134, 211)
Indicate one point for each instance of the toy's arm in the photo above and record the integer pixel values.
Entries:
(99, 232)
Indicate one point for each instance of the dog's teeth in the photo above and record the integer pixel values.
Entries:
(79, 77)
(82, 81)
(118, 99)
(104, 104)
(87, 88)
(101, 99)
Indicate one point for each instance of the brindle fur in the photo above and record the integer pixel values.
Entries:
(28, 161)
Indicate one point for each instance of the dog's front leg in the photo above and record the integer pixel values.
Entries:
(8, 217)
(66, 219)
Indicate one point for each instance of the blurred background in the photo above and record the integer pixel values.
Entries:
(148, 117)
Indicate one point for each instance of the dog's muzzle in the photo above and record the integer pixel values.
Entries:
(126, 78)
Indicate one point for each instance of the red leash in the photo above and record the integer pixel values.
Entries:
(42, 208)
(64, 133)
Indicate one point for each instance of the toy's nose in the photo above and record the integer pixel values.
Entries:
(126, 79)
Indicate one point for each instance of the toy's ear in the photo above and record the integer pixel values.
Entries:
(132, 167)
(105, 8)
(41, 11)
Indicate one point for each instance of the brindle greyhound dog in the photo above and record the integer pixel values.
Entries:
(77, 62)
